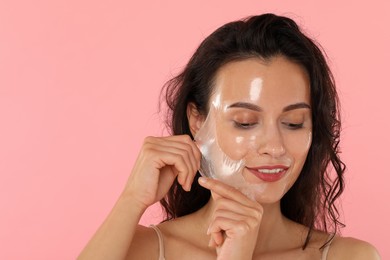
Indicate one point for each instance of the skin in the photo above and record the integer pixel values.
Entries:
(274, 126)
(230, 225)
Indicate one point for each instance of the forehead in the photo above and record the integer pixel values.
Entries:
(254, 80)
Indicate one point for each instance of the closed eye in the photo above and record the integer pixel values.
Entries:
(244, 125)
(293, 126)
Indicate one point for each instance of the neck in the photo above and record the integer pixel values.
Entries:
(275, 229)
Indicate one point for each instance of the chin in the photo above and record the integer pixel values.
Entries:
(268, 192)
(269, 197)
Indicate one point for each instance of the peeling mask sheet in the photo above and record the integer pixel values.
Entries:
(257, 134)
(219, 132)
(215, 163)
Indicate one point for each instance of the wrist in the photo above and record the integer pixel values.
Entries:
(129, 198)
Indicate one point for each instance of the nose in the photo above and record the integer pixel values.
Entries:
(271, 142)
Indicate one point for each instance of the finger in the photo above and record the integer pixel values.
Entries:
(164, 156)
(252, 221)
(170, 173)
(232, 228)
(185, 143)
(185, 148)
(187, 158)
(216, 239)
(173, 157)
(177, 147)
(225, 191)
(195, 158)
(187, 139)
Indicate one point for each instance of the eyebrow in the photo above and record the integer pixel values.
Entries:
(296, 106)
(256, 108)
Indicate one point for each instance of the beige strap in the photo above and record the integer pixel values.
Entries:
(326, 249)
(160, 242)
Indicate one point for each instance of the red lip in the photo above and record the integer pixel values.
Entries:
(269, 177)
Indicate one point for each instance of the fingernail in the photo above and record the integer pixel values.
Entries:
(202, 180)
(185, 187)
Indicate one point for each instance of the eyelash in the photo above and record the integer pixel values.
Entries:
(251, 125)
(244, 125)
(294, 126)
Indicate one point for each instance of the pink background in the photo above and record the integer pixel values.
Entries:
(79, 85)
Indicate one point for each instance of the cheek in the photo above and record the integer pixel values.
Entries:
(297, 144)
(232, 142)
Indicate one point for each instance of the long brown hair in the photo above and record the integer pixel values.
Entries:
(311, 201)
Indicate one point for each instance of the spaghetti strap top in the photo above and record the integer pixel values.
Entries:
(160, 242)
(326, 248)
(162, 253)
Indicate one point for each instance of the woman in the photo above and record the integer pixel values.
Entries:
(261, 76)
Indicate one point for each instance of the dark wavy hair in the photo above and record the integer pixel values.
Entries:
(311, 201)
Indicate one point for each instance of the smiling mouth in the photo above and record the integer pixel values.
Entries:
(269, 173)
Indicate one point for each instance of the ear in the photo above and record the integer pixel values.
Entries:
(195, 119)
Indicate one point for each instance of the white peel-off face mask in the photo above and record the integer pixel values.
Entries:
(215, 163)
(257, 133)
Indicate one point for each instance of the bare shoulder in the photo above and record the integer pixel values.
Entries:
(144, 244)
(352, 248)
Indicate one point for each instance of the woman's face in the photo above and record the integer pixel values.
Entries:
(263, 117)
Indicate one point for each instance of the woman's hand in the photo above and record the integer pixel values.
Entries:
(235, 222)
(159, 162)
